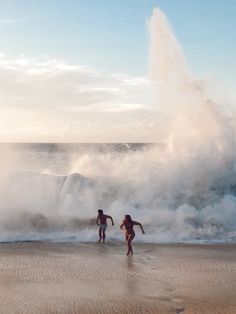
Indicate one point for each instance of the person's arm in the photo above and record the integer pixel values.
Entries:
(121, 226)
(111, 220)
(97, 220)
(139, 224)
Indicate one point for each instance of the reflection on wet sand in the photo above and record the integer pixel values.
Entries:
(131, 279)
(91, 278)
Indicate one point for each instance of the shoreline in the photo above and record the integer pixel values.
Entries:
(49, 277)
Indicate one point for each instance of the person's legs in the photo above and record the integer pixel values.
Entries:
(126, 240)
(129, 240)
(103, 235)
(100, 234)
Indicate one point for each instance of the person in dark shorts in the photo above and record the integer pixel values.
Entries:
(128, 225)
(102, 223)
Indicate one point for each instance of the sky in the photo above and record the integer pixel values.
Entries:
(77, 71)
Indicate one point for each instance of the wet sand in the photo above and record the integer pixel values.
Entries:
(91, 278)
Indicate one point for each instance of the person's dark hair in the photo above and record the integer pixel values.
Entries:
(128, 218)
(100, 211)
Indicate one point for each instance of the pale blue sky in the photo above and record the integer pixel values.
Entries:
(60, 60)
(111, 35)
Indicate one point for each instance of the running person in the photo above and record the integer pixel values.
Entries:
(102, 223)
(128, 224)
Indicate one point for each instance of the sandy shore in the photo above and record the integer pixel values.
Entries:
(92, 278)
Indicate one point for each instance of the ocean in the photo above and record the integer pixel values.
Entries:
(51, 192)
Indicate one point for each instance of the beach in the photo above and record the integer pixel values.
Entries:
(44, 277)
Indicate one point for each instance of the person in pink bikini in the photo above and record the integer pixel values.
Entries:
(102, 223)
(128, 225)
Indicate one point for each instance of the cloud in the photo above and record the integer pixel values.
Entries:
(135, 130)
(131, 81)
(45, 99)
(11, 21)
(55, 84)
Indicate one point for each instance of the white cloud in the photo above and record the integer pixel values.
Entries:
(55, 84)
(131, 81)
(122, 107)
(10, 21)
(51, 99)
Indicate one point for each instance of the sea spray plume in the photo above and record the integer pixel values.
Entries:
(143, 182)
(167, 63)
(198, 127)
(200, 138)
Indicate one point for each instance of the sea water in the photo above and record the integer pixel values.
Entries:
(53, 191)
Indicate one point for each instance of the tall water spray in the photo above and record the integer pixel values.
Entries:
(167, 64)
(199, 125)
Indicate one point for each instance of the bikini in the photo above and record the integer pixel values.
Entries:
(129, 227)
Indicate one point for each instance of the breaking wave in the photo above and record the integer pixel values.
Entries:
(189, 200)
